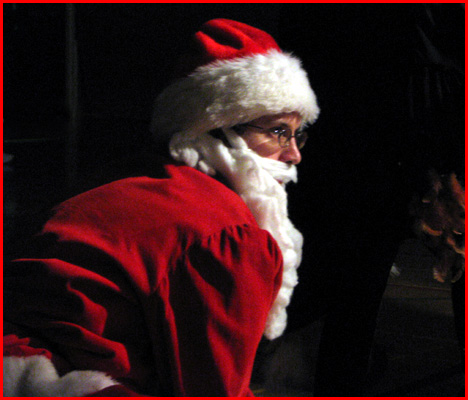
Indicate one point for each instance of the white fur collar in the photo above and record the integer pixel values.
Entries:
(266, 198)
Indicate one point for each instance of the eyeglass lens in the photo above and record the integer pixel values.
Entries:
(284, 138)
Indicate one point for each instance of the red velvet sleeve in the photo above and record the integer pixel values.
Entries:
(216, 301)
(78, 308)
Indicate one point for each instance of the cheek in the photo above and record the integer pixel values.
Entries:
(265, 150)
(262, 147)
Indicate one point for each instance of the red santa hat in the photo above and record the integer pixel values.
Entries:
(233, 73)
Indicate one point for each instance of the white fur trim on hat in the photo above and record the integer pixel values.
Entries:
(36, 376)
(228, 92)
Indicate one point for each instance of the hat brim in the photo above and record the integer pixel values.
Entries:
(229, 92)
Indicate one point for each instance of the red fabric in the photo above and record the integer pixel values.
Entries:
(16, 347)
(165, 284)
(224, 39)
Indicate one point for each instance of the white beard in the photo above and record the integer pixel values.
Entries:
(255, 179)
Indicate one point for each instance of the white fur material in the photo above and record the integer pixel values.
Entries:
(265, 197)
(229, 92)
(36, 376)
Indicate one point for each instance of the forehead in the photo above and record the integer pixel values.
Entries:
(292, 119)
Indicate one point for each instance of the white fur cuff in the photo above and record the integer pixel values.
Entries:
(36, 376)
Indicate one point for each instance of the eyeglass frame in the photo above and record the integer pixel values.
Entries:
(286, 144)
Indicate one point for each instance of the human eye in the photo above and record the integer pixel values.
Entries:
(278, 131)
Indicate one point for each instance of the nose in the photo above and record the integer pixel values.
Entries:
(291, 154)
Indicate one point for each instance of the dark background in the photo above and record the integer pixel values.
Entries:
(389, 79)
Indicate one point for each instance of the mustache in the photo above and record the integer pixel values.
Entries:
(279, 170)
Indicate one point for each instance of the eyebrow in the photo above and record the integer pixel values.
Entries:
(278, 123)
(283, 124)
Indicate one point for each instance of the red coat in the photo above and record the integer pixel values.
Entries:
(164, 284)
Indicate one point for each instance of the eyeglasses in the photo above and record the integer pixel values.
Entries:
(282, 134)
